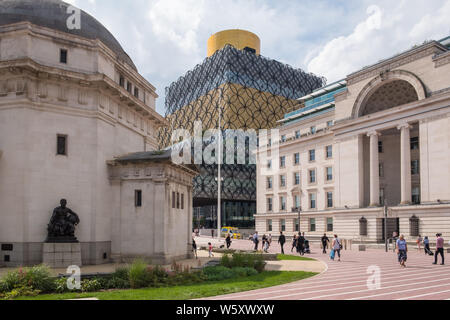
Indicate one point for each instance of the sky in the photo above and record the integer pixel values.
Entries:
(331, 38)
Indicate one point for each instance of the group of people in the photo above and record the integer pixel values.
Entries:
(300, 243)
(266, 242)
(402, 249)
(336, 246)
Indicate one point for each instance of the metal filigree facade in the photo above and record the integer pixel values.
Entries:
(251, 91)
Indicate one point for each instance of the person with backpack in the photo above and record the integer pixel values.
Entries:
(439, 249)
(325, 242)
(337, 247)
(282, 241)
(402, 251)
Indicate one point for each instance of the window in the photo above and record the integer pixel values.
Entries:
(297, 134)
(296, 201)
(138, 198)
(269, 183)
(382, 196)
(269, 204)
(313, 130)
(283, 138)
(178, 200)
(296, 226)
(330, 123)
(270, 142)
(312, 201)
(269, 226)
(330, 225)
(269, 164)
(312, 155)
(330, 200)
(282, 203)
(312, 176)
(381, 168)
(129, 87)
(283, 181)
(329, 152)
(122, 81)
(63, 56)
(182, 201)
(415, 143)
(61, 145)
(282, 225)
(174, 199)
(312, 225)
(380, 147)
(297, 178)
(330, 174)
(282, 162)
(136, 92)
(297, 159)
(416, 195)
(415, 167)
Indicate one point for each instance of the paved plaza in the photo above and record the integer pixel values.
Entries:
(347, 280)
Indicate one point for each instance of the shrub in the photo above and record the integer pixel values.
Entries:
(117, 283)
(218, 273)
(23, 291)
(139, 276)
(61, 285)
(3, 286)
(36, 278)
(244, 272)
(242, 260)
(225, 261)
(91, 285)
(121, 273)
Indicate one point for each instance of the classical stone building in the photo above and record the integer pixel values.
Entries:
(378, 138)
(78, 121)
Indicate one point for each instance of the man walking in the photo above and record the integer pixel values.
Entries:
(325, 242)
(300, 244)
(256, 240)
(282, 241)
(439, 249)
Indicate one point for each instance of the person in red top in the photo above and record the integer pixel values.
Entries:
(439, 249)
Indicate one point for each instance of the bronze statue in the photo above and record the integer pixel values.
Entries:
(62, 224)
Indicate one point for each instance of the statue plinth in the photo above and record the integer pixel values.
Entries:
(62, 255)
(61, 240)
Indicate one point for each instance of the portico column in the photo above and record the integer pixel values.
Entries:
(405, 151)
(374, 170)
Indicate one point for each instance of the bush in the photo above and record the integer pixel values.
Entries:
(24, 291)
(121, 273)
(36, 278)
(117, 283)
(139, 276)
(3, 286)
(244, 272)
(241, 260)
(91, 285)
(218, 273)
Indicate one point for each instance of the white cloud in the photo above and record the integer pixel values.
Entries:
(388, 29)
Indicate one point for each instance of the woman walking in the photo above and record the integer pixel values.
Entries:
(337, 247)
(294, 243)
(402, 251)
(426, 244)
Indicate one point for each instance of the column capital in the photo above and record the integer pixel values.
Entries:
(402, 126)
(373, 133)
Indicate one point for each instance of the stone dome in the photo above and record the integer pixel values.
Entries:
(53, 14)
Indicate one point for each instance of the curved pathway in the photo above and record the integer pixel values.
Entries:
(355, 278)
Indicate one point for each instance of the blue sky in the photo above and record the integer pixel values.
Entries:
(332, 38)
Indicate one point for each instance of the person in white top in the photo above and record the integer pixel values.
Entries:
(337, 247)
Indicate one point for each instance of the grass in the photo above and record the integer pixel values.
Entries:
(263, 280)
(282, 257)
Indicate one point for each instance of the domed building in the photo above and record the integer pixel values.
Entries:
(78, 122)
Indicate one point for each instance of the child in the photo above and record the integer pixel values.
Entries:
(210, 250)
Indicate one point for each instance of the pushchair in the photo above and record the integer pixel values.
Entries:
(307, 248)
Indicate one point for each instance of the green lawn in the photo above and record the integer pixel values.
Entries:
(209, 289)
(281, 257)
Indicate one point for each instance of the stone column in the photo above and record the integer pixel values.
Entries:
(405, 162)
(374, 169)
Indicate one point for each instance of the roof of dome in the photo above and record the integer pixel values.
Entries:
(53, 14)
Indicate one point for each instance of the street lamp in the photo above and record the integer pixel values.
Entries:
(299, 211)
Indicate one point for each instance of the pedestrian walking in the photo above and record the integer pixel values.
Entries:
(228, 241)
(426, 245)
(212, 233)
(419, 243)
(294, 243)
(337, 247)
(210, 248)
(270, 240)
(256, 240)
(439, 249)
(194, 248)
(282, 241)
(301, 244)
(325, 242)
(265, 243)
(402, 251)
